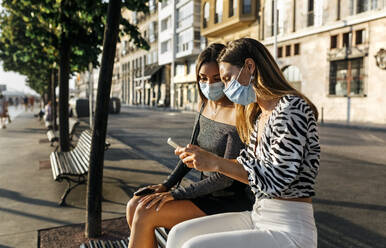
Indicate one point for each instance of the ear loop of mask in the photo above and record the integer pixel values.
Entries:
(237, 79)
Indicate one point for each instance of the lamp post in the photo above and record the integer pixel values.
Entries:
(275, 29)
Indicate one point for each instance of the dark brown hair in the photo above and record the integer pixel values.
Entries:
(210, 54)
(270, 82)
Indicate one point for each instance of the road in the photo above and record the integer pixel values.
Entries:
(350, 201)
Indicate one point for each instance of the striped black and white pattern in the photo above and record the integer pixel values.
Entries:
(286, 160)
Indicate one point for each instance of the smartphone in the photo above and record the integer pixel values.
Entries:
(172, 143)
(144, 191)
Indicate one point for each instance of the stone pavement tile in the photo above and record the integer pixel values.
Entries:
(29, 195)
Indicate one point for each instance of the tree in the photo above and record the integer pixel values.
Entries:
(73, 31)
(70, 33)
(95, 176)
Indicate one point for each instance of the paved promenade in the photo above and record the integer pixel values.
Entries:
(350, 207)
(29, 195)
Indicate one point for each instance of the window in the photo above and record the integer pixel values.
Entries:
(346, 40)
(197, 35)
(297, 49)
(192, 67)
(288, 50)
(152, 6)
(247, 6)
(152, 31)
(203, 42)
(294, 16)
(218, 11)
(334, 42)
(166, 23)
(310, 13)
(232, 7)
(374, 4)
(359, 37)
(184, 41)
(185, 16)
(338, 9)
(180, 69)
(346, 74)
(293, 76)
(164, 3)
(165, 46)
(205, 19)
(280, 52)
(362, 6)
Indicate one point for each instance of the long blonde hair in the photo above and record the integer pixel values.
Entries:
(270, 82)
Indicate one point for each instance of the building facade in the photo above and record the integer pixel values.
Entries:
(179, 46)
(328, 52)
(144, 81)
(332, 51)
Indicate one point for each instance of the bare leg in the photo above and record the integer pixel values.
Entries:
(130, 209)
(144, 221)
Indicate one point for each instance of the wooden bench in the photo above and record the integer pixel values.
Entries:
(53, 137)
(73, 166)
(161, 235)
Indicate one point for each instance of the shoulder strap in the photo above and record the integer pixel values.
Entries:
(196, 130)
(197, 125)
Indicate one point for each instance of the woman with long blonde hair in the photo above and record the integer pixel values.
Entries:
(280, 163)
(165, 205)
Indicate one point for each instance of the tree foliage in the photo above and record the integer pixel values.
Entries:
(30, 32)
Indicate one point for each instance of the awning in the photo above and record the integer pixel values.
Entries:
(152, 69)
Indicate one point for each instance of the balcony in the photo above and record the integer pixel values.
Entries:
(228, 20)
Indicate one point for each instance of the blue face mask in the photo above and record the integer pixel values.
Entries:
(212, 91)
(240, 94)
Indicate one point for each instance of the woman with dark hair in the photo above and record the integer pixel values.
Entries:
(280, 162)
(215, 193)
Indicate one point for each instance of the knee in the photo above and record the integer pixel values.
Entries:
(130, 209)
(143, 216)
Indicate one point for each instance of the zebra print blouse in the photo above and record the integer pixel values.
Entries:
(286, 160)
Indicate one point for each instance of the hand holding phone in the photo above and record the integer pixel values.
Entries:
(144, 191)
(172, 143)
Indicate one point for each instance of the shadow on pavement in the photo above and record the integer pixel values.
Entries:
(16, 196)
(117, 154)
(152, 172)
(349, 204)
(34, 216)
(336, 232)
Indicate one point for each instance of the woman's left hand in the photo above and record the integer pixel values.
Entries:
(195, 157)
(156, 199)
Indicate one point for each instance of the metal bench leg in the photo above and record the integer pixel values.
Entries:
(68, 190)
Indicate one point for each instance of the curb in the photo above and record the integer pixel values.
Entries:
(161, 109)
(353, 126)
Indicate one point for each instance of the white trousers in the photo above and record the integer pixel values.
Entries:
(271, 224)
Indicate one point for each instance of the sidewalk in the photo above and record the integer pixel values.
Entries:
(329, 123)
(355, 125)
(29, 195)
